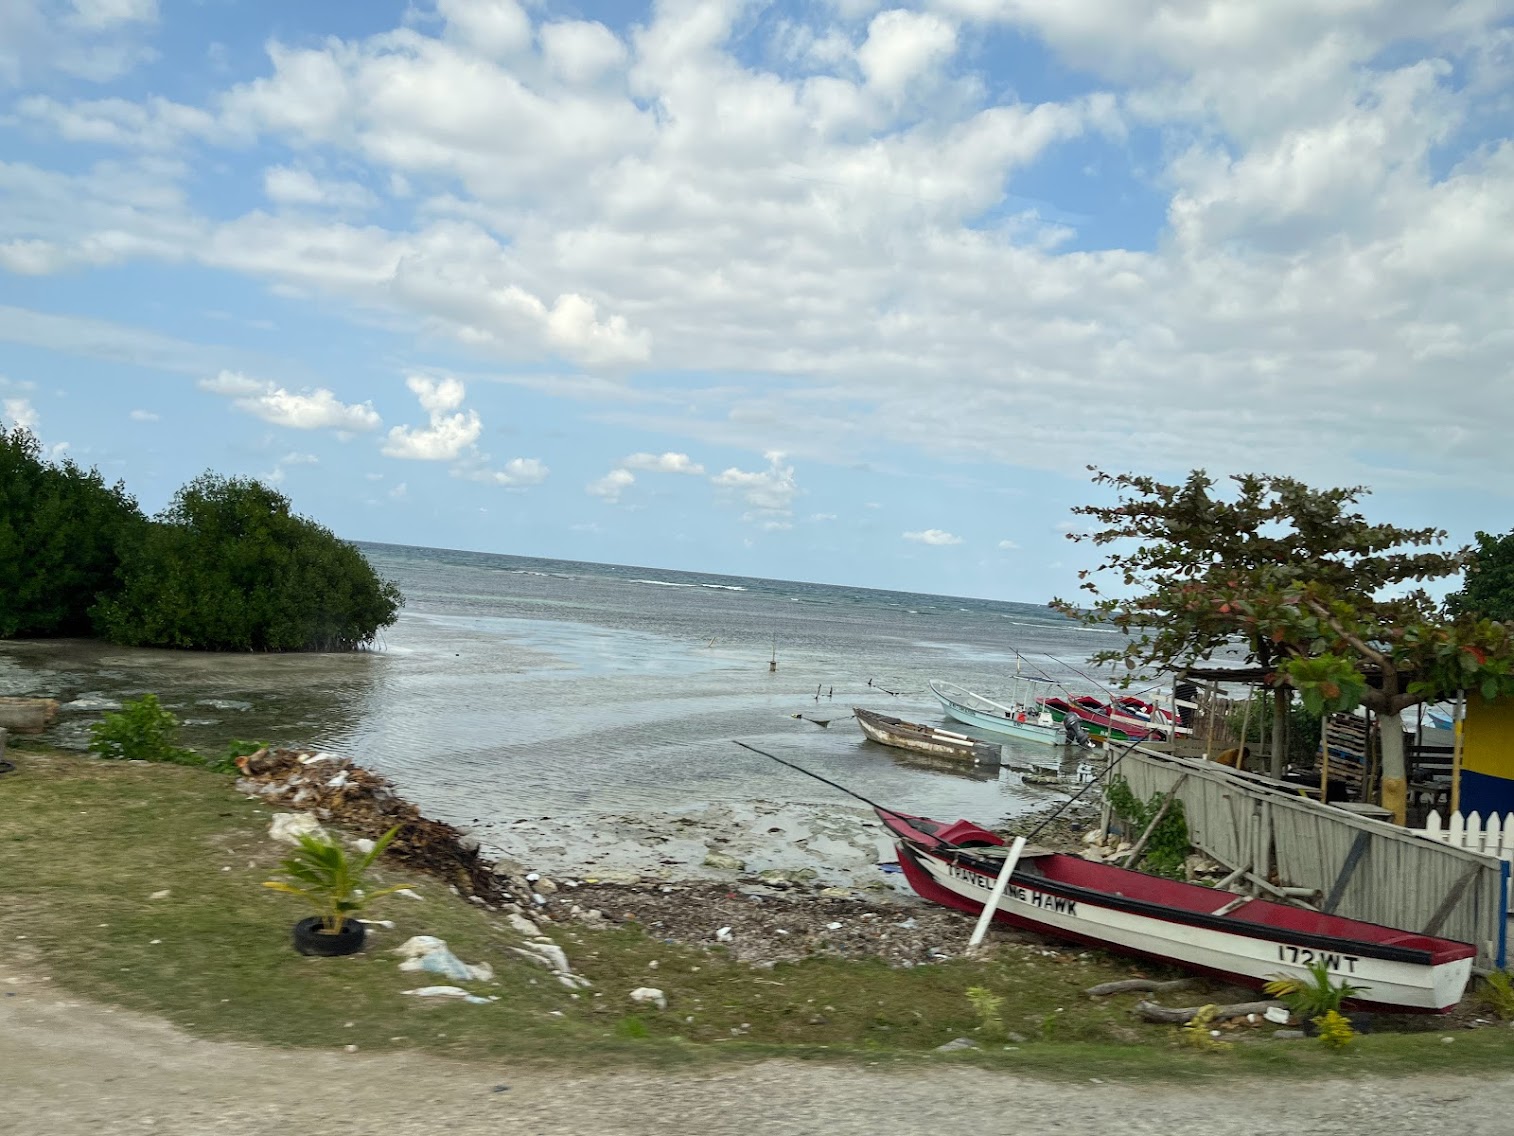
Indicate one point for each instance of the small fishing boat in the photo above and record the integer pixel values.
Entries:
(1237, 938)
(1117, 722)
(929, 740)
(1021, 719)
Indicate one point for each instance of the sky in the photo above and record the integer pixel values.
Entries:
(830, 290)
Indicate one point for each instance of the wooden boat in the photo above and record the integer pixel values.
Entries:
(1237, 938)
(1102, 720)
(1027, 722)
(929, 740)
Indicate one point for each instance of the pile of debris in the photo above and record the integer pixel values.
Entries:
(364, 803)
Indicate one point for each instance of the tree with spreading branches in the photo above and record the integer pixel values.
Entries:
(1488, 590)
(1297, 582)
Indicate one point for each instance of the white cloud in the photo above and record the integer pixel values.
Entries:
(611, 485)
(291, 185)
(97, 14)
(769, 492)
(516, 473)
(830, 261)
(933, 536)
(317, 409)
(284, 464)
(1008, 545)
(447, 436)
(663, 463)
(399, 492)
(143, 416)
(21, 413)
(903, 46)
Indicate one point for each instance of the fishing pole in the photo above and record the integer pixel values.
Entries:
(825, 780)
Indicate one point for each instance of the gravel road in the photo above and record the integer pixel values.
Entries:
(69, 1067)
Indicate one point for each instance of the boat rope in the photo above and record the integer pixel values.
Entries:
(824, 780)
(1102, 777)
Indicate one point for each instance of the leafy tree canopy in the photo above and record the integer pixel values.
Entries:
(1295, 576)
(1489, 587)
(62, 532)
(228, 567)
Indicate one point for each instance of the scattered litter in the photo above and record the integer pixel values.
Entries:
(408, 894)
(546, 953)
(316, 758)
(833, 926)
(650, 995)
(430, 954)
(723, 935)
(287, 828)
(957, 1043)
(450, 992)
(1276, 1014)
(159, 894)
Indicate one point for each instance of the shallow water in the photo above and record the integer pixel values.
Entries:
(514, 688)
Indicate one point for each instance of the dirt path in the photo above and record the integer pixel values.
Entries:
(68, 1068)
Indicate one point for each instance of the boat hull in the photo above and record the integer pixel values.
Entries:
(1036, 727)
(926, 740)
(1246, 953)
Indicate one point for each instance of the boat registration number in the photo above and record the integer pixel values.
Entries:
(1303, 956)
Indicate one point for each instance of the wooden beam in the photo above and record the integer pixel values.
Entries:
(1453, 897)
(1140, 847)
(1354, 857)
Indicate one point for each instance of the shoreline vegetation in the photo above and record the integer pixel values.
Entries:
(109, 902)
(227, 566)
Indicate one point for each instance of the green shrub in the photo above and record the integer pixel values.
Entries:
(228, 567)
(986, 1005)
(142, 730)
(227, 761)
(1498, 991)
(1168, 848)
(63, 532)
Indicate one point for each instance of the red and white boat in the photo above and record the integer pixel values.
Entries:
(1234, 937)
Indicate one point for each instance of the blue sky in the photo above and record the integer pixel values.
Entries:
(834, 290)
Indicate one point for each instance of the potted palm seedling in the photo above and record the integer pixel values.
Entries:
(330, 879)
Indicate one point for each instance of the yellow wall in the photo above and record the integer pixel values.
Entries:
(1488, 740)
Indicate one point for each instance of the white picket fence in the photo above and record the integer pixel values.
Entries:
(1491, 837)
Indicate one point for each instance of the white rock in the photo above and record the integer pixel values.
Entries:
(650, 995)
(159, 894)
(522, 925)
(723, 935)
(546, 886)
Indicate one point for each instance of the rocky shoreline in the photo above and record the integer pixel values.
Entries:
(761, 915)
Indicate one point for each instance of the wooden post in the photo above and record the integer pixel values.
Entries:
(1324, 758)
(1458, 729)
(1140, 846)
(1240, 760)
(1214, 689)
(994, 896)
(1279, 731)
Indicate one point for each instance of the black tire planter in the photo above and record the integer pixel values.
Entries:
(310, 940)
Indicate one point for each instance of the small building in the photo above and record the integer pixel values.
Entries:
(1487, 756)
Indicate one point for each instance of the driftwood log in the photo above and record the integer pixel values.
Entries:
(1151, 1012)
(1125, 986)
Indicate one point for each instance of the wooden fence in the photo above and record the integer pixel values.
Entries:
(1290, 847)
(1491, 837)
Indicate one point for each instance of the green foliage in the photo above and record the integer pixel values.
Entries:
(1335, 1030)
(326, 877)
(1289, 573)
(1488, 590)
(63, 532)
(1168, 847)
(632, 1027)
(228, 567)
(1498, 991)
(227, 761)
(986, 1005)
(142, 730)
(1196, 1032)
(1308, 998)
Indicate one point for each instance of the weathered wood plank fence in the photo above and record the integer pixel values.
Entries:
(1287, 846)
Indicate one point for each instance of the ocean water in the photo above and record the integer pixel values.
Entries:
(514, 689)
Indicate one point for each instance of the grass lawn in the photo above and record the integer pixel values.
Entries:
(85, 843)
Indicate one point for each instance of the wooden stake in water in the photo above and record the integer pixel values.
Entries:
(997, 894)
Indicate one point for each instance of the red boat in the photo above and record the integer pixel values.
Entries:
(1128, 719)
(1238, 938)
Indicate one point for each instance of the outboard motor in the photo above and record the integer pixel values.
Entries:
(1072, 726)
